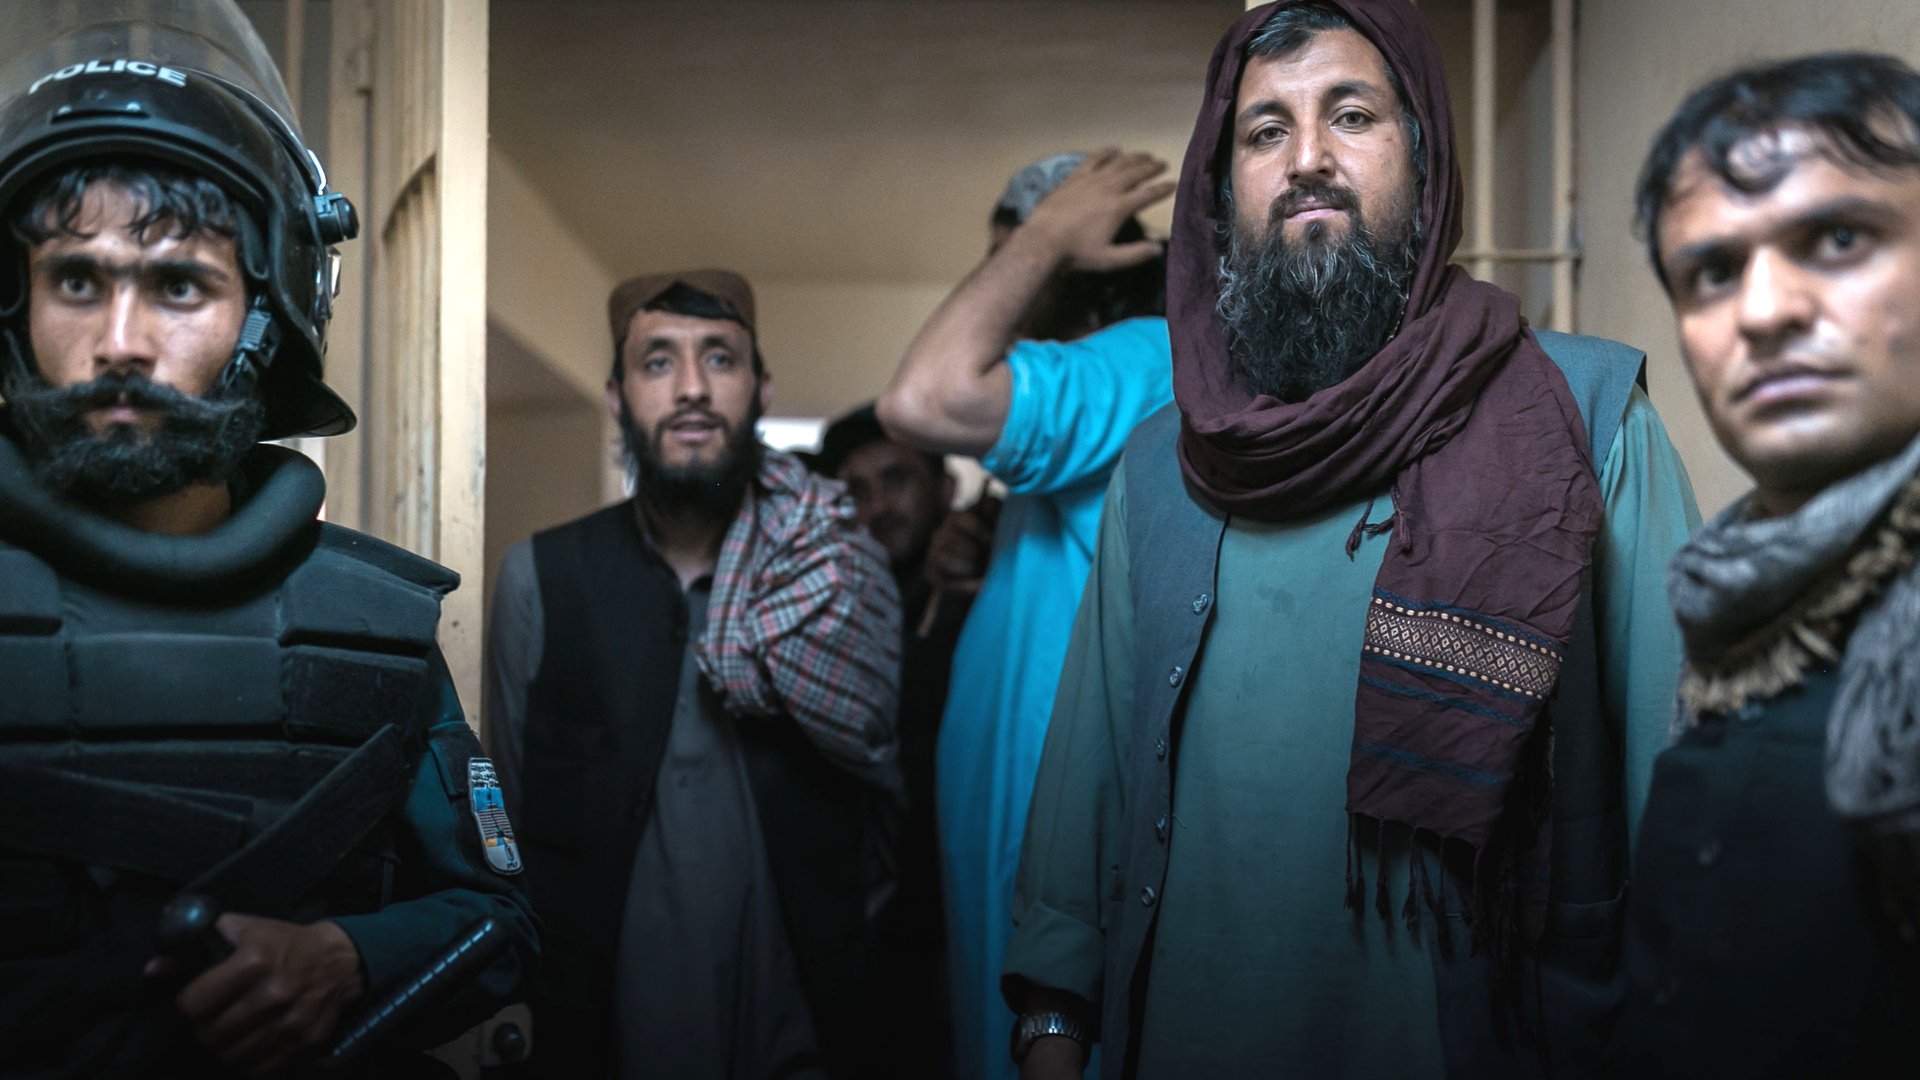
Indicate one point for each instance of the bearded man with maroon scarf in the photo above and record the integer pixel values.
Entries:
(1373, 661)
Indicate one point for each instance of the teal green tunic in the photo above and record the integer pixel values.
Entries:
(1253, 918)
(1256, 961)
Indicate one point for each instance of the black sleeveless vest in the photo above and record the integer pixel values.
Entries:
(598, 714)
(1757, 945)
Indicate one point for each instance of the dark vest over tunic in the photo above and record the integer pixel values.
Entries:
(1174, 543)
(598, 715)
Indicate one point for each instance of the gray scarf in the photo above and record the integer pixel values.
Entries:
(1760, 603)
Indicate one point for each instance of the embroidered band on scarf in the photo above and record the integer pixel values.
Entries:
(1470, 426)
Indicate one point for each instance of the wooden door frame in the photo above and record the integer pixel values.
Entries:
(408, 138)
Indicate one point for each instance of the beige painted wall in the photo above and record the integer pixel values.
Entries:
(1637, 59)
(833, 344)
(544, 287)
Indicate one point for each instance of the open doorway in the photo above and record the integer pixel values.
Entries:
(843, 154)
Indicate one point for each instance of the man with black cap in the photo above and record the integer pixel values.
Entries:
(899, 494)
(214, 701)
(694, 693)
(1379, 596)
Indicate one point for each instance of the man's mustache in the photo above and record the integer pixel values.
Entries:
(123, 388)
(1331, 196)
(194, 439)
(703, 415)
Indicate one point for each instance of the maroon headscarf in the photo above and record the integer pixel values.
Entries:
(1471, 428)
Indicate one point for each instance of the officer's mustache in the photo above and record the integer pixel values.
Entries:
(67, 405)
(196, 439)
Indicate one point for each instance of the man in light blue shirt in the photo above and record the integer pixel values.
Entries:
(1033, 365)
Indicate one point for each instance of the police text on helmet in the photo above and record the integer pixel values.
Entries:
(103, 67)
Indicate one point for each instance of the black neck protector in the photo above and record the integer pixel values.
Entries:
(269, 530)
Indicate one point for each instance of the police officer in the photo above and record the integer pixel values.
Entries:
(203, 688)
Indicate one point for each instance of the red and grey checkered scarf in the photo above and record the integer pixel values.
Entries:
(1470, 426)
(804, 620)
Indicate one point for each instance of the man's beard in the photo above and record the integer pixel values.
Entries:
(905, 544)
(1302, 315)
(714, 487)
(199, 440)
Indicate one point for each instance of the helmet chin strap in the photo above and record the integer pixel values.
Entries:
(259, 337)
(14, 360)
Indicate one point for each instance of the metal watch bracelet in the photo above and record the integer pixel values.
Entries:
(1032, 1026)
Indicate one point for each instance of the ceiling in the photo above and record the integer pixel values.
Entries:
(843, 140)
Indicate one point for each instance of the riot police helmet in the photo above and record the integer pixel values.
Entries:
(185, 85)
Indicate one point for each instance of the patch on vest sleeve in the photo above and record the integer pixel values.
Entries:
(490, 813)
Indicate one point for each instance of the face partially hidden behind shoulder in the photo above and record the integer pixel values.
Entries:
(899, 495)
(135, 304)
(1793, 267)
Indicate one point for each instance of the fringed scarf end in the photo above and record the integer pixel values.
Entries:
(1437, 903)
(1382, 903)
(1476, 926)
(1410, 908)
(1356, 871)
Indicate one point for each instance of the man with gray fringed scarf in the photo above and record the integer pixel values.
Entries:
(1772, 929)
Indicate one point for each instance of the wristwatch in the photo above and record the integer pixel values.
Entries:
(1032, 1026)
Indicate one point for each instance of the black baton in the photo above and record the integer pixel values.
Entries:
(187, 935)
(474, 949)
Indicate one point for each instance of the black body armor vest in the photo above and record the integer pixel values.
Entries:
(235, 714)
(148, 742)
(168, 700)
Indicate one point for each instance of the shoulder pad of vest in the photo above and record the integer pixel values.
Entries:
(1601, 375)
(395, 560)
(1601, 355)
(1157, 432)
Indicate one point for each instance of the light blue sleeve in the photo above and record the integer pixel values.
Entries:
(1077, 823)
(1075, 402)
(1650, 514)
